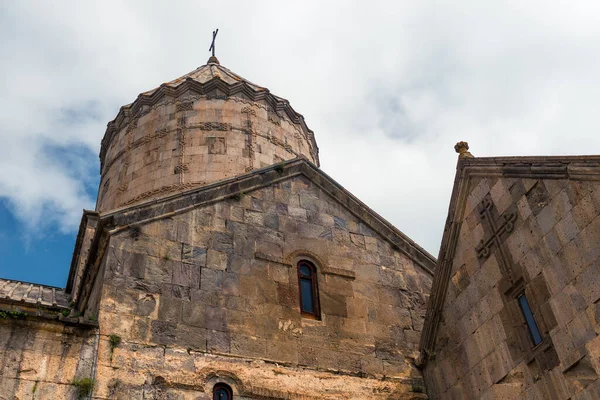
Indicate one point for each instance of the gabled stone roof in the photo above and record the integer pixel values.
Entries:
(203, 81)
(145, 212)
(136, 215)
(542, 167)
(32, 294)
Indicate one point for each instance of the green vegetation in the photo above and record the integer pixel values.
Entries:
(84, 386)
(33, 390)
(114, 341)
(65, 313)
(15, 314)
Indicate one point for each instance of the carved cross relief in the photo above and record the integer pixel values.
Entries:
(496, 228)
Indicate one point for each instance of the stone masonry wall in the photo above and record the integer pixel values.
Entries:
(212, 295)
(191, 141)
(40, 360)
(483, 347)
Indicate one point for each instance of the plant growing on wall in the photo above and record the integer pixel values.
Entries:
(84, 386)
(114, 341)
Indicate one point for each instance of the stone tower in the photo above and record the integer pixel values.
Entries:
(205, 126)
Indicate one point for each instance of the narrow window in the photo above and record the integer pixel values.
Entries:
(222, 391)
(307, 285)
(534, 332)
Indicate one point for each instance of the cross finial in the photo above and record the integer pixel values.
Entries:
(212, 58)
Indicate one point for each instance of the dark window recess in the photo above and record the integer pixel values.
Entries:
(534, 332)
(222, 391)
(307, 286)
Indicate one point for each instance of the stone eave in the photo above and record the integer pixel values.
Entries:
(143, 213)
(87, 214)
(21, 293)
(144, 101)
(537, 167)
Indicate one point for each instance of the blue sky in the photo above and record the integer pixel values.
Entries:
(43, 259)
(387, 87)
(43, 254)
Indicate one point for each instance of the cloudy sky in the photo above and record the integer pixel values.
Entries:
(387, 87)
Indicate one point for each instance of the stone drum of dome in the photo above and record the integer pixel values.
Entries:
(206, 126)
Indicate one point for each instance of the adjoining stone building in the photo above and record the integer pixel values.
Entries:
(514, 310)
(220, 262)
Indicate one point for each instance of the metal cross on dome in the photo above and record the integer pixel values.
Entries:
(212, 45)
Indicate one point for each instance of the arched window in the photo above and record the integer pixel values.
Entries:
(222, 391)
(307, 286)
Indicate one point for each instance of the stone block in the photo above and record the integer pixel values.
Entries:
(222, 241)
(191, 337)
(217, 342)
(271, 220)
(193, 255)
(170, 309)
(524, 209)
(187, 275)
(248, 346)
(269, 251)
(158, 270)
(237, 214)
(333, 304)
(211, 279)
(252, 217)
(193, 314)
(135, 264)
(282, 350)
(552, 243)
(538, 197)
(163, 332)
(567, 229)
(230, 284)
(216, 260)
(546, 219)
(588, 283)
(296, 213)
(279, 272)
(215, 318)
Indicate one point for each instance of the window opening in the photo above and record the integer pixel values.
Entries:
(307, 286)
(222, 391)
(534, 331)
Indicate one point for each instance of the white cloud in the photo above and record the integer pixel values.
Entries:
(388, 87)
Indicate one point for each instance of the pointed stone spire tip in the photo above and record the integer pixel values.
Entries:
(213, 60)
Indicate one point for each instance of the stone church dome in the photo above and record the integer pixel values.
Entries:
(208, 125)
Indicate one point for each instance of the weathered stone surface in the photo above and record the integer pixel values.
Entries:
(232, 291)
(554, 262)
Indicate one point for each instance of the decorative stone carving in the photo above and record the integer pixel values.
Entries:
(187, 106)
(497, 229)
(216, 145)
(248, 110)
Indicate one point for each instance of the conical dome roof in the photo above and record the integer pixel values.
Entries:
(206, 73)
